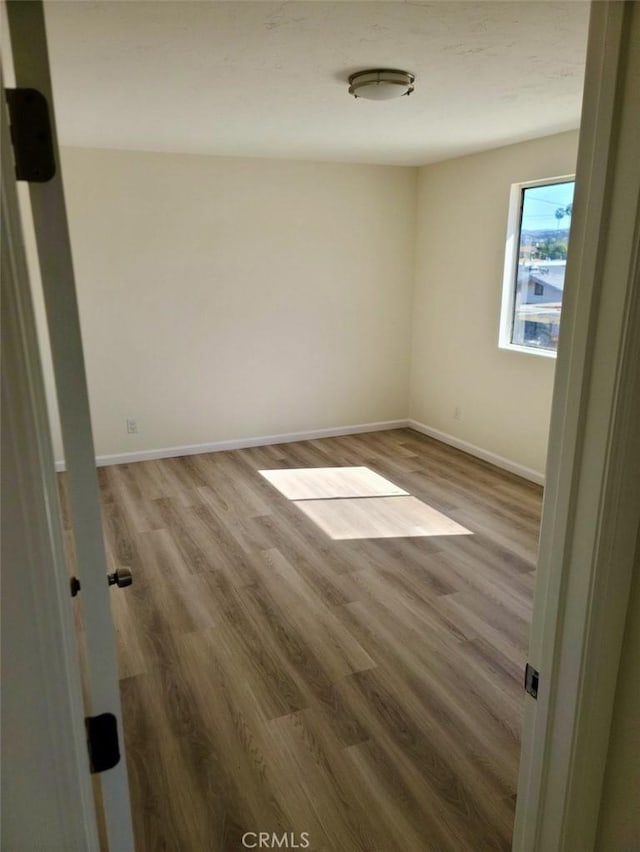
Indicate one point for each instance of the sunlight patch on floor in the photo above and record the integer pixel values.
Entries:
(322, 483)
(355, 502)
(379, 517)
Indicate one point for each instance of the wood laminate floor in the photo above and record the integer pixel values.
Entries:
(366, 691)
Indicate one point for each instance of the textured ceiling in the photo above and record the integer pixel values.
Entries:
(268, 79)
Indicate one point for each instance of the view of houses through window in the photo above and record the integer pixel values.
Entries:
(543, 238)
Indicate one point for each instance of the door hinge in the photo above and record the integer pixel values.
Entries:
(531, 680)
(31, 135)
(102, 741)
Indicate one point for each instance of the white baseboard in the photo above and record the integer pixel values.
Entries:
(332, 432)
(239, 444)
(485, 455)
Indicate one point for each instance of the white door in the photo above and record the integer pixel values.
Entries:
(31, 67)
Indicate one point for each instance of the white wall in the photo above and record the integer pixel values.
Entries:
(227, 298)
(504, 397)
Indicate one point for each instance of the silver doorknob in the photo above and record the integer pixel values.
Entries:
(121, 577)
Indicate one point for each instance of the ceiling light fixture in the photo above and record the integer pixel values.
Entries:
(381, 84)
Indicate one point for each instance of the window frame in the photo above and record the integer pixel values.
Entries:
(511, 254)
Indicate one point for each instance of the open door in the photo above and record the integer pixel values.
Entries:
(37, 161)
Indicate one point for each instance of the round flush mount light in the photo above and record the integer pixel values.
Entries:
(381, 84)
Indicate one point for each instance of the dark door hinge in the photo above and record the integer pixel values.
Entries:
(31, 135)
(531, 680)
(102, 741)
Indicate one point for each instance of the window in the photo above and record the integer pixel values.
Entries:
(536, 256)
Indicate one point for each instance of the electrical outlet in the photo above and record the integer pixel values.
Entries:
(132, 427)
(457, 414)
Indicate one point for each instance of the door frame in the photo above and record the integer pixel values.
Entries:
(591, 511)
(30, 65)
(45, 752)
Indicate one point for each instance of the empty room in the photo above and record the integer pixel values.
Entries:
(318, 251)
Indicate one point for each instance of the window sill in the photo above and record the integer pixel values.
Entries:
(529, 350)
